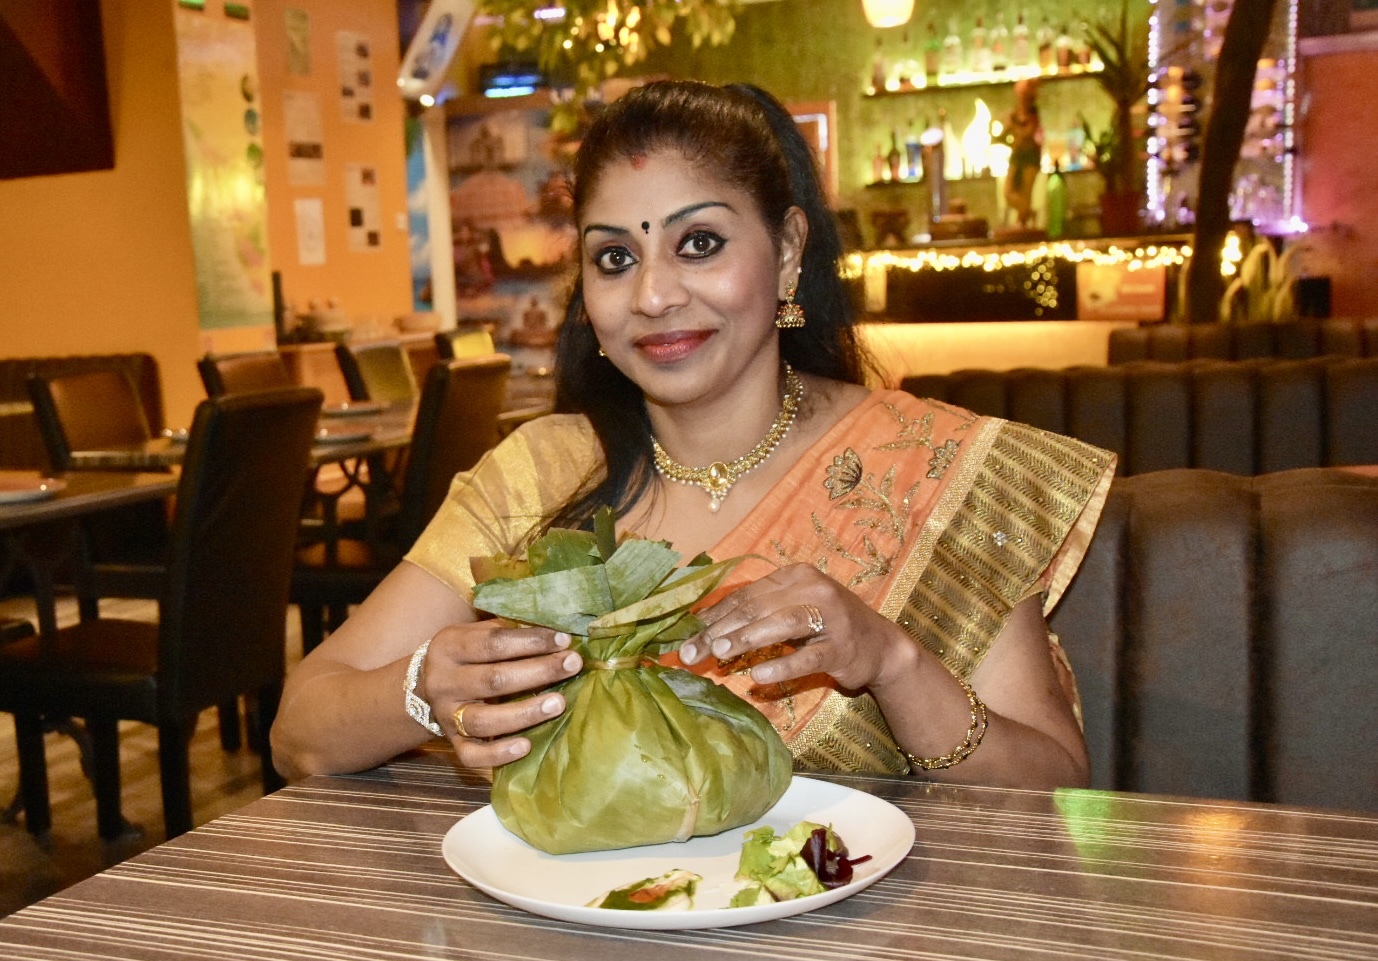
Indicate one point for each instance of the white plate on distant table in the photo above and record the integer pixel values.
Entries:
(480, 850)
(16, 487)
(353, 408)
(336, 435)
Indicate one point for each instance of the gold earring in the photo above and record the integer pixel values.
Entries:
(789, 314)
(601, 353)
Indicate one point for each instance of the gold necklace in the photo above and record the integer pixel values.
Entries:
(718, 478)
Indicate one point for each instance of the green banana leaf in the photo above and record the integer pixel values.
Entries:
(643, 753)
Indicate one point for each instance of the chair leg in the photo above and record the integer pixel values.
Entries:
(174, 772)
(33, 773)
(105, 776)
(230, 739)
(338, 614)
(265, 710)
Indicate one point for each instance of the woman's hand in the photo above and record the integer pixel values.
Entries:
(825, 629)
(470, 664)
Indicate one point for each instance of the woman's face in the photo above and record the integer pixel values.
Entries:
(682, 277)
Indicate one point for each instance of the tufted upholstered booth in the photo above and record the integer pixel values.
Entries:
(1224, 632)
(1242, 417)
(1295, 340)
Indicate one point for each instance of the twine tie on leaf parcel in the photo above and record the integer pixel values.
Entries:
(718, 478)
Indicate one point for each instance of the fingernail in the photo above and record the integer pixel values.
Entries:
(562, 639)
(721, 646)
(688, 652)
(762, 674)
(550, 705)
(571, 662)
(518, 748)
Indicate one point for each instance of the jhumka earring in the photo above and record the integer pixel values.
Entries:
(789, 314)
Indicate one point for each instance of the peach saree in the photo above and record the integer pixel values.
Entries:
(939, 519)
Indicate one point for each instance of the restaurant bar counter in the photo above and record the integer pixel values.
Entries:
(351, 867)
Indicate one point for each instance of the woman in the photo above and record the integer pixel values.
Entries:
(713, 384)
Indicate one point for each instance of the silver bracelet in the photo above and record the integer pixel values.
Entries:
(417, 708)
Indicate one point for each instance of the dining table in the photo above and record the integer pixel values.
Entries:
(353, 866)
(38, 529)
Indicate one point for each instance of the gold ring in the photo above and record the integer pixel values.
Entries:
(815, 617)
(459, 720)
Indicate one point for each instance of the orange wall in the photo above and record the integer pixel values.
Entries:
(374, 283)
(101, 262)
(1339, 179)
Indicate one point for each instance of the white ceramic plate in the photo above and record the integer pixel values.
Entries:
(336, 435)
(480, 850)
(353, 408)
(16, 488)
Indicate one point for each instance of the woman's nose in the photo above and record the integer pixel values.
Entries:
(658, 288)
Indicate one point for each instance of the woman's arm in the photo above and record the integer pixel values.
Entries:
(1032, 738)
(343, 707)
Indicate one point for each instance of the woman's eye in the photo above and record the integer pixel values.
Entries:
(613, 260)
(700, 243)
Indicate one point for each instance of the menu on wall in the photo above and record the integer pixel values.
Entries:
(224, 160)
(301, 115)
(361, 198)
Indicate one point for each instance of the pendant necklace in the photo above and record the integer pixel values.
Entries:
(718, 478)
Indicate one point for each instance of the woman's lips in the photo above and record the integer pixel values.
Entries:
(672, 345)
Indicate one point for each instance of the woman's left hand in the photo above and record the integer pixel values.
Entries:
(824, 629)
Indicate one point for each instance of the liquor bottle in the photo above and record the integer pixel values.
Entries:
(932, 55)
(999, 44)
(952, 50)
(913, 154)
(1062, 48)
(953, 161)
(1047, 40)
(1056, 202)
(879, 168)
(878, 68)
(980, 49)
(894, 159)
(1021, 56)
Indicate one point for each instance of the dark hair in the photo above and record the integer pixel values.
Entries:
(747, 138)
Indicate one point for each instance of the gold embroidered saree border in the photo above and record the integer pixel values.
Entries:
(1015, 511)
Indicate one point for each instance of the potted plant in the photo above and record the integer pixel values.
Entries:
(1122, 46)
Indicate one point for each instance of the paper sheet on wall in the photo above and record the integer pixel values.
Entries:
(361, 197)
(298, 23)
(354, 53)
(310, 214)
(301, 115)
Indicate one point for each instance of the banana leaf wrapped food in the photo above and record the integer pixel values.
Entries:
(643, 753)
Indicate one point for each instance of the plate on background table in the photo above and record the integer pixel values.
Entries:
(353, 408)
(17, 487)
(342, 435)
(480, 850)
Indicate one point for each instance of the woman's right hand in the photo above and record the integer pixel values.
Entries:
(483, 668)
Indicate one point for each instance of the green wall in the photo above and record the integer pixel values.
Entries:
(809, 50)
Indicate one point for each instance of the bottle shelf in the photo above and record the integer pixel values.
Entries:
(972, 82)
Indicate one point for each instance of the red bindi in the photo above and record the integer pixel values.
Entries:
(638, 161)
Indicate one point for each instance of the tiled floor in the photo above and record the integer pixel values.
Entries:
(221, 782)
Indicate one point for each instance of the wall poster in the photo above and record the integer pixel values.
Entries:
(301, 116)
(361, 198)
(224, 158)
(512, 230)
(355, 58)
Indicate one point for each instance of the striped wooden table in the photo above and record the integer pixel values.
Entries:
(350, 867)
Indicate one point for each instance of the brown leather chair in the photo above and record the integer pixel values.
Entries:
(222, 614)
(456, 423)
(380, 372)
(87, 411)
(238, 373)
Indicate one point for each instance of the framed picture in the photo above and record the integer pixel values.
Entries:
(1363, 15)
(817, 121)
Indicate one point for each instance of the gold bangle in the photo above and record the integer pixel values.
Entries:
(969, 744)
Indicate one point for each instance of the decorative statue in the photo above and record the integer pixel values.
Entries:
(1025, 136)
